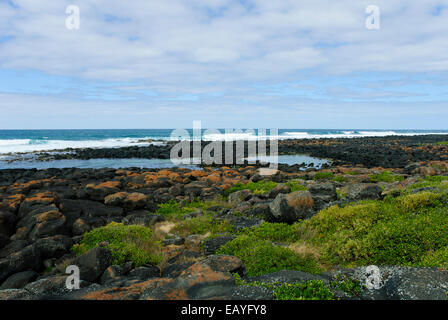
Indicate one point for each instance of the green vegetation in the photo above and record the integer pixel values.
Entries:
(431, 182)
(385, 176)
(442, 143)
(295, 185)
(264, 186)
(436, 258)
(350, 286)
(306, 290)
(261, 256)
(126, 243)
(323, 175)
(258, 187)
(202, 224)
(173, 210)
(277, 232)
(339, 179)
(396, 231)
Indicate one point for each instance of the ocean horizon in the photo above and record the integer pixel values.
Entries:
(22, 141)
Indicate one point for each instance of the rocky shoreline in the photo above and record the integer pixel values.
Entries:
(386, 152)
(194, 217)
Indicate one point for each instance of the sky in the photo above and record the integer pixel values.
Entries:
(229, 63)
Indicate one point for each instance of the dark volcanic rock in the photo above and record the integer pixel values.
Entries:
(212, 245)
(251, 293)
(401, 283)
(93, 263)
(28, 258)
(144, 273)
(292, 207)
(19, 280)
(363, 191)
(281, 188)
(7, 223)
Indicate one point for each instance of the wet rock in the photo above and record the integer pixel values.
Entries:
(291, 207)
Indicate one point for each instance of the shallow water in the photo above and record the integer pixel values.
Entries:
(140, 163)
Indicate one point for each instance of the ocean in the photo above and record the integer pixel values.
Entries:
(14, 141)
(25, 142)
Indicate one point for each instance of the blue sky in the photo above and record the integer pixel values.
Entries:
(229, 63)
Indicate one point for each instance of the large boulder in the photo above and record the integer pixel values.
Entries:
(28, 258)
(19, 280)
(363, 191)
(291, 207)
(399, 283)
(323, 191)
(239, 196)
(323, 194)
(207, 279)
(48, 224)
(93, 263)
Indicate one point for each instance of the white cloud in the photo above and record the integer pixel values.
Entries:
(174, 50)
(222, 39)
